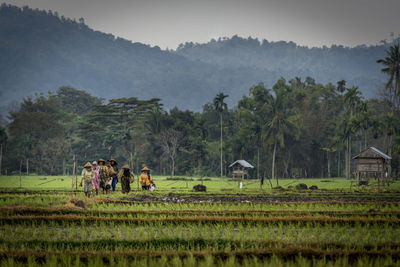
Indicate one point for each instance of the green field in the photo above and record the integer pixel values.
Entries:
(45, 223)
(212, 184)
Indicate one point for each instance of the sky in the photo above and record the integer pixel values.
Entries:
(168, 23)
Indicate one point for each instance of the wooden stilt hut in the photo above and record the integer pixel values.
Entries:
(371, 163)
(239, 169)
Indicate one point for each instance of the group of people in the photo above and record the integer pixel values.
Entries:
(99, 175)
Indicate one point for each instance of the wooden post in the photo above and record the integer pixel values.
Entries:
(20, 174)
(76, 174)
(73, 173)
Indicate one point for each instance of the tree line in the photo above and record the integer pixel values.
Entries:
(294, 129)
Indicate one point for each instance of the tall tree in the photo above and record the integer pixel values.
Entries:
(352, 100)
(284, 121)
(220, 106)
(392, 68)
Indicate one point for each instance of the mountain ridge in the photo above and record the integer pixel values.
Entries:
(44, 51)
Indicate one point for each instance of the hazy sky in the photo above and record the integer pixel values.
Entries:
(167, 23)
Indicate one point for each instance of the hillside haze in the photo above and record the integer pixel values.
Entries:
(41, 51)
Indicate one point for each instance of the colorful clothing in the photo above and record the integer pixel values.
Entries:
(145, 179)
(114, 178)
(87, 175)
(125, 181)
(103, 176)
(87, 187)
(96, 180)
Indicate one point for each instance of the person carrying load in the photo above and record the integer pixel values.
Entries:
(104, 174)
(125, 177)
(114, 165)
(96, 180)
(87, 177)
(145, 178)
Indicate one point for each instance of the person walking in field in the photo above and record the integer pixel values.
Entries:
(87, 178)
(109, 178)
(104, 174)
(114, 165)
(145, 178)
(96, 180)
(126, 177)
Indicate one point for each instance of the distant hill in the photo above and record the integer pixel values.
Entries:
(41, 51)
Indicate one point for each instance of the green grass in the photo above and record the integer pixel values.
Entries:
(215, 184)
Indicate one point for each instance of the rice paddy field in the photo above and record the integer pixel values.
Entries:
(45, 223)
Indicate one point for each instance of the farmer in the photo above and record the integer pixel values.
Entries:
(111, 174)
(145, 178)
(87, 177)
(96, 180)
(114, 165)
(126, 177)
(103, 174)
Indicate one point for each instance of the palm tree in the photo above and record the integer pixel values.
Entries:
(352, 100)
(283, 122)
(392, 68)
(220, 106)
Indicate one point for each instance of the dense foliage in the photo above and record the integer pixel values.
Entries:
(42, 51)
(296, 129)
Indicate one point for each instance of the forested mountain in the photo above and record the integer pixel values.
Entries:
(41, 51)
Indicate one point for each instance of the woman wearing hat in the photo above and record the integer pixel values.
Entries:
(104, 174)
(145, 178)
(114, 165)
(126, 177)
(87, 177)
(96, 180)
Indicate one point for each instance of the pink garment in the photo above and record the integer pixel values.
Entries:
(96, 180)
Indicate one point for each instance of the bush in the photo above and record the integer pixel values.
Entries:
(199, 188)
(301, 187)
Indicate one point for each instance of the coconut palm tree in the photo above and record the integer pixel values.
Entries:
(220, 106)
(392, 68)
(284, 121)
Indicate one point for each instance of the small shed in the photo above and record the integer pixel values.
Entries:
(239, 168)
(371, 163)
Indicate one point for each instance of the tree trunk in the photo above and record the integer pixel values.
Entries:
(172, 167)
(365, 139)
(286, 162)
(64, 164)
(1, 156)
(20, 174)
(349, 155)
(220, 118)
(338, 172)
(390, 155)
(27, 166)
(347, 159)
(258, 163)
(273, 165)
(329, 163)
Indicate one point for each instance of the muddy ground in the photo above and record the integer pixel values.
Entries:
(243, 198)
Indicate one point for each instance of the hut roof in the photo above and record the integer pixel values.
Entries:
(243, 163)
(372, 152)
